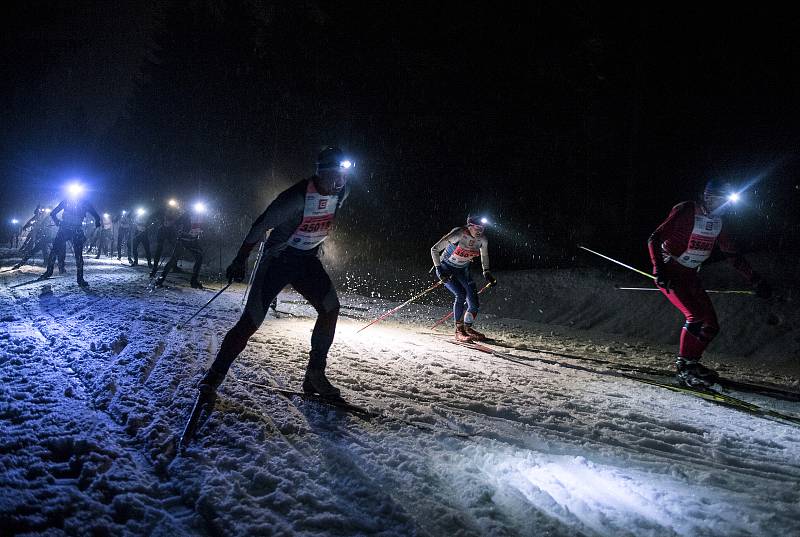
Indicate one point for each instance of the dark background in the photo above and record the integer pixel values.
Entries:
(565, 122)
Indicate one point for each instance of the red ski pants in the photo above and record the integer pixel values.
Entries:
(687, 294)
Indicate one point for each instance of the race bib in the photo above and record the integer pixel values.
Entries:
(318, 215)
(460, 255)
(701, 242)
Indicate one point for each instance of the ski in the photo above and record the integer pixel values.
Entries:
(31, 282)
(706, 394)
(748, 387)
(338, 403)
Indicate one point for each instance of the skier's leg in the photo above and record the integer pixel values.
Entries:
(78, 239)
(701, 326)
(146, 244)
(311, 281)
(194, 247)
(460, 293)
(458, 288)
(59, 242)
(473, 304)
(157, 256)
(173, 260)
(268, 282)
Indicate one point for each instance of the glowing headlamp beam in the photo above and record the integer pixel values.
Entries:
(75, 189)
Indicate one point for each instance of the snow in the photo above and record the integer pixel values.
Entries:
(95, 385)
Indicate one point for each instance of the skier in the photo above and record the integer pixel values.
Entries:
(70, 228)
(166, 220)
(124, 224)
(182, 233)
(451, 260)
(677, 249)
(105, 240)
(300, 218)
(39, 237)
(141, 234)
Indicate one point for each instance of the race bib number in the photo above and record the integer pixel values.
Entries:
(461, 256)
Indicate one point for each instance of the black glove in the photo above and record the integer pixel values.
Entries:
(236, 270)
(489, 278)
(762, 288)
(443, 274)
(663, 281)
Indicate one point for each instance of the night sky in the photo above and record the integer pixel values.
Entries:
(565, 122)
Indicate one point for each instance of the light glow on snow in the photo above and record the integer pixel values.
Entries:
(604, 498)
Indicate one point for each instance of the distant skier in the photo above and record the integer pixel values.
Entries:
(180, 231)
(451, 259)
(123, 234)
(39, 237)
(141, 235)
(70, 228)
(106, 237)
(166, 222)
(677, 249)
(301, 217)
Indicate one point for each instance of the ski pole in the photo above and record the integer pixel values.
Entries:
(181, 325)
(643, 273)
(730, 292)
(253, 274)
(404, 304)
(443, 319)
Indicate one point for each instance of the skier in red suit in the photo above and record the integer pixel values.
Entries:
(677, 249)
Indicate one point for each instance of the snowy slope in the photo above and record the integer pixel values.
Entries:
(96, 384)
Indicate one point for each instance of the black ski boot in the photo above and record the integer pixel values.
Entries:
(315, 382)
(694, 375)
(196, 284)
(83, 283)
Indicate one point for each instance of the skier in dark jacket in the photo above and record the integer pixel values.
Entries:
(39, 238)
(141, 235)
(70, 228)
(300, 218)
(677, 249)
(178, 234)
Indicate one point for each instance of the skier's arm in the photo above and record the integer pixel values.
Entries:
(287, 204)
(437, 248)
(29, 223)
(656, 239)
(91, 210)
(58, 208)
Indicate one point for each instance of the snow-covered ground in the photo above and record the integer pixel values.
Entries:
(96, 384)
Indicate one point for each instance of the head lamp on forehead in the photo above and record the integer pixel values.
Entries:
(333, 158)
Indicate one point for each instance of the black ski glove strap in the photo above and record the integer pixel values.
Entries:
(490, 278)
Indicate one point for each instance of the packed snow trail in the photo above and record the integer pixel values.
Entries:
(97, 384)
